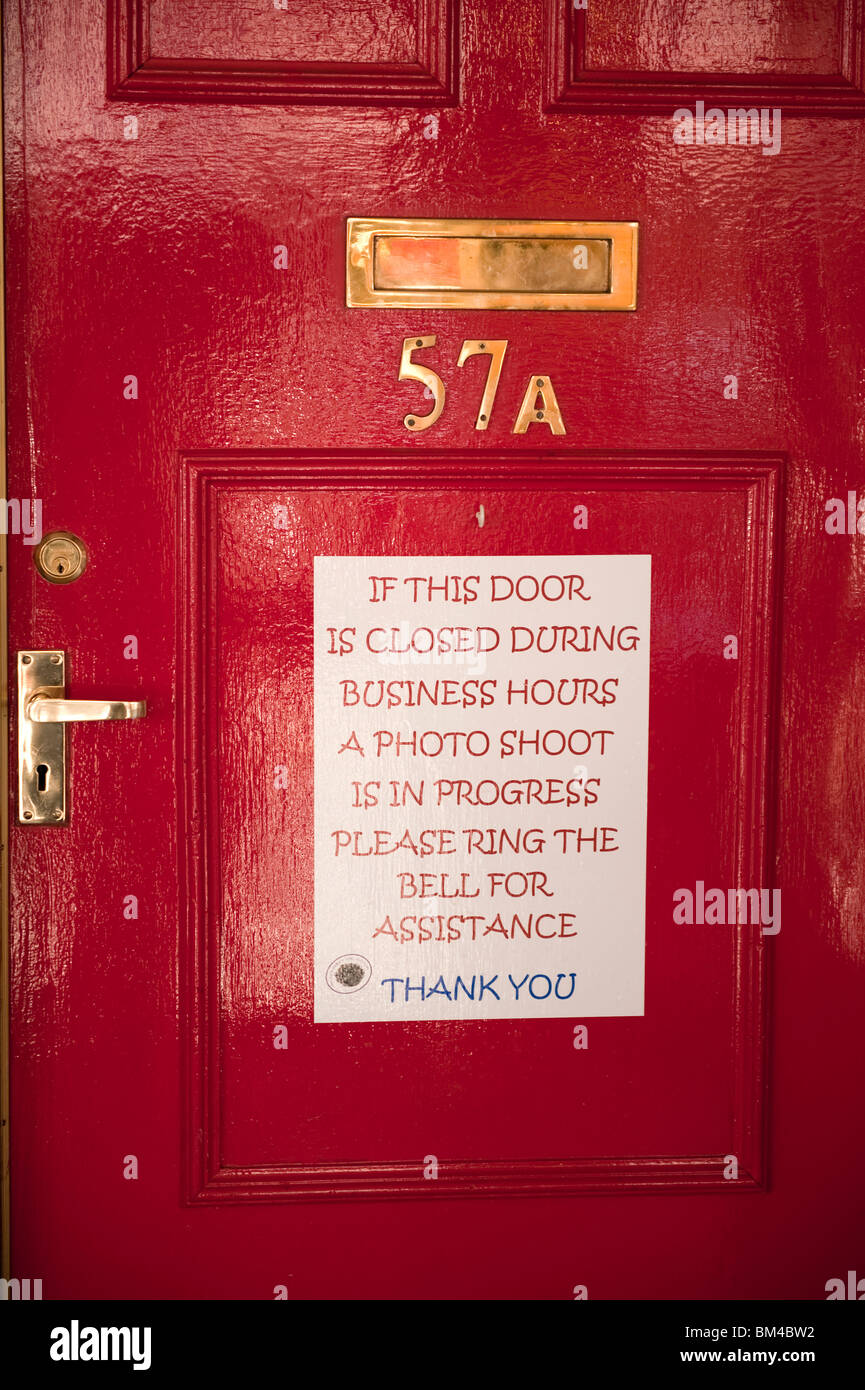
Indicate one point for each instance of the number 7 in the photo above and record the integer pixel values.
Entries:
(496, 347)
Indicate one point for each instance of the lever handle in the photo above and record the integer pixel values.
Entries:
(45, 709)
(43, 713)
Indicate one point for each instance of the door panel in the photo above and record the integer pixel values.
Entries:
(613, 57)
(400, 52)
(347, 1094)
(184, 362)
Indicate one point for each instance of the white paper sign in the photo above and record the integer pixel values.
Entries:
(481, 746)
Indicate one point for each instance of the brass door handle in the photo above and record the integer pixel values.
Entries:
(43, 713)
(45, 709)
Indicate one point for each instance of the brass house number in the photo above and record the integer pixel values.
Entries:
(447, 263)
(539, 404)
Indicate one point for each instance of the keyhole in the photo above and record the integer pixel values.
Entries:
(42, 777)
(60, 567)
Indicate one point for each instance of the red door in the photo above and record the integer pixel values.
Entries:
(476, 910)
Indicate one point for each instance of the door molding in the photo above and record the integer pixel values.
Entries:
(570, 84)
(206, 476)
(5, 1176)
(135, 73)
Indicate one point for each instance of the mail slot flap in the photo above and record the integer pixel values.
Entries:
(466, 264)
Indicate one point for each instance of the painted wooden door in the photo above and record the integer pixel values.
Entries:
(190, 395)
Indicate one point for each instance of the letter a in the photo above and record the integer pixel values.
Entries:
(683, 133)
(683, 912)
(352, 745)
(549, 413)
(60, 1344)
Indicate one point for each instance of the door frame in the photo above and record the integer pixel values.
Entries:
(5, 1177)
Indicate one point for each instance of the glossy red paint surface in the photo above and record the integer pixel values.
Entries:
(154, 257)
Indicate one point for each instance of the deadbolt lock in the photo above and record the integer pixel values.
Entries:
(60, 557)
(43, 713)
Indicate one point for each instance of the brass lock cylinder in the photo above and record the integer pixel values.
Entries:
(60, 557)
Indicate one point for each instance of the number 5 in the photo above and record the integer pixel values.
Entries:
(413, 371)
